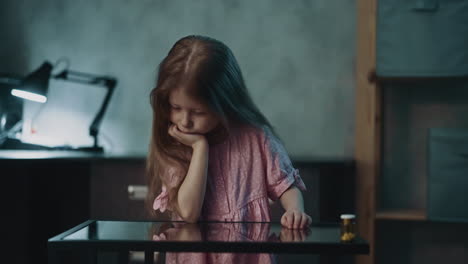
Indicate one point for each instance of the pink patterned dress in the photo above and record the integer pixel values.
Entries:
(244, 171)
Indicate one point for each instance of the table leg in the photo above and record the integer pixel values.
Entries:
(149, 257)
(123, 257)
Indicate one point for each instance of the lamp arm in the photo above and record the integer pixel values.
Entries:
(94, 128)
(104, 81)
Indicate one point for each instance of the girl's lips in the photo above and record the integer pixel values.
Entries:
(184, 131)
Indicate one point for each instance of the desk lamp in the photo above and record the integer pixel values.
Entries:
(34, 87)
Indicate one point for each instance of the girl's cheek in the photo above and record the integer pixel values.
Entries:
(173, 117)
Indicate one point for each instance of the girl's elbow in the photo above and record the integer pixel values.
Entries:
(190, 217)
(189, 211)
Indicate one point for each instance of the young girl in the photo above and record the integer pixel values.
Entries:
(213, 155)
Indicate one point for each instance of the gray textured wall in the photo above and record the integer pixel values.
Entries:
(297, 58)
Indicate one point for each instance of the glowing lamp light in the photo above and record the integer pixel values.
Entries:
(29, 96)
(35, 86)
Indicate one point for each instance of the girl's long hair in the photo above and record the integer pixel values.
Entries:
(207, 69)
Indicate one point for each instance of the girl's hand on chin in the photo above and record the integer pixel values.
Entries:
(187, 139)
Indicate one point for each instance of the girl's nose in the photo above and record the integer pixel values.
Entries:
(186, 122)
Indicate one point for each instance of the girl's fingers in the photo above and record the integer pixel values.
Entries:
(291, 221)
(171, 130)
(287, 220)
(175, 132)
(297, 220)
(284, 221)
(304, 221)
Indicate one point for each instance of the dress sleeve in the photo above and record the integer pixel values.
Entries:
(280, 173)
(161, 202)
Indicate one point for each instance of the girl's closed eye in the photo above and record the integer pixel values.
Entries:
(174, 107)
(199, 112)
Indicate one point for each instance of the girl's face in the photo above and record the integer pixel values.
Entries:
(190, 115)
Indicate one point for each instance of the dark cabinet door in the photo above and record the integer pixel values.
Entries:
(421, 38)
(448, 175)
(118, 190)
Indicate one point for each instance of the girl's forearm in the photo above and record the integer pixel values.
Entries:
(192, 190)
(292, 199)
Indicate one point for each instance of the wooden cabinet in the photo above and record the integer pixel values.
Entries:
(45, 193)
(112, 190)
(393, 118)
(40, 199)
(421, 210)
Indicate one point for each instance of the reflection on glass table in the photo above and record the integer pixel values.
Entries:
(204, 242)
(223, 232)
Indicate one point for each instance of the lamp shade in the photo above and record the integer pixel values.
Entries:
(35, 85)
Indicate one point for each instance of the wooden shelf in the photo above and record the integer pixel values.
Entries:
(402, 214)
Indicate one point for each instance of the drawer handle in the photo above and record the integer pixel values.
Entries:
(137, 192)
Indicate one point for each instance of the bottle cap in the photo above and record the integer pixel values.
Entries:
(347, 216)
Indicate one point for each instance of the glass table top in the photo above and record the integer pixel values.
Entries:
(207, 231)
(208, 237)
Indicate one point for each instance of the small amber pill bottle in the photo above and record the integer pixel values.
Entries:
(348, 227)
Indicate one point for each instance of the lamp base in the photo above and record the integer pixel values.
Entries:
(16, 144)
(91, 149)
